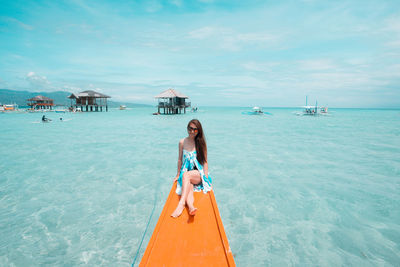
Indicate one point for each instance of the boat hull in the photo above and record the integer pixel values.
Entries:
(198, 240)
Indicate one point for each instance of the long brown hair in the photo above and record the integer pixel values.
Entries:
(200, 142)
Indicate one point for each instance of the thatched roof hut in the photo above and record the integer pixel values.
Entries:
(41, 102)
(40, 98)
(89, 93)
(172, 102)
(89, 100)
(171, 93)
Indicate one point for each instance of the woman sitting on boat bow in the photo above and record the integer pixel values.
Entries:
(192, 173)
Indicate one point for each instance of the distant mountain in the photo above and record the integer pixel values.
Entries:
(60, 98)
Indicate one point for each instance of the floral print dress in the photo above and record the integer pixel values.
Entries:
(189, 163)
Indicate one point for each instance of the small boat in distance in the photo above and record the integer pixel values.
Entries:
(256, 111)
(309, 111)
(8, 107)
(312, 110)
(324, 110)
(122, 107)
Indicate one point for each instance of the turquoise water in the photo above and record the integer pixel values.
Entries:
(292, 191)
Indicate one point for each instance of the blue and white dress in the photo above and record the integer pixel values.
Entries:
(189, 163)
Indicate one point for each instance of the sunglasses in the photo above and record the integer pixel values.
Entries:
(191, 129)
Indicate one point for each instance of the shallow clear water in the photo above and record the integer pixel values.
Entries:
(292, 191)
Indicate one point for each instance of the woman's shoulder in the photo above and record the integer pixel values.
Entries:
(181, 142)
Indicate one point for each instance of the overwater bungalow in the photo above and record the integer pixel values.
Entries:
(89, 101)
(41, 103)
(172, 102)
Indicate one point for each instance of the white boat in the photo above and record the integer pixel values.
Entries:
(324, 110)
(311, 110)
(122, 107)
(9, 107)
(256, 111)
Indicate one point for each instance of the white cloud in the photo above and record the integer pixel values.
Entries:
(203, 33)
(393, 24)
(230, 39)
(319, 64)
(153, 6)
(395, 44)
(72, 89)
(38, 82)
(17, 22)
(177, 3)
(255, 37)
(357, 61)
(262, 67)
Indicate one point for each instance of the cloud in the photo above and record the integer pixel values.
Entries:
(17, 22)
(230, 39)
(393, 24)
(72, 89)
(320, 64)
(261, 67)
(177, 3)
(203, 33)
(38, 82)
(395, 43)
(255, 37)
(153, 6)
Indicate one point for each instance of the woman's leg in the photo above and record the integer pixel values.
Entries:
(189, 178)
(190, 201)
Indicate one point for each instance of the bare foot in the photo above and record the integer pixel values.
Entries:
(192, 212)
(178, 210)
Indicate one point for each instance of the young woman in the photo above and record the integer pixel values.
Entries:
(192, 168)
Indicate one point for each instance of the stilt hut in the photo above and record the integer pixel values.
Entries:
(41, 103)
(172, 102)
(89, 101)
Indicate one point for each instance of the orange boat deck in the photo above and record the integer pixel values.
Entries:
(189, 240)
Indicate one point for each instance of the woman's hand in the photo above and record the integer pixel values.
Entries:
(176, 178)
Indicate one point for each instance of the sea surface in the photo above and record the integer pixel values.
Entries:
(291, 190)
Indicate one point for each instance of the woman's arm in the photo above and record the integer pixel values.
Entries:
(179, 159)
(205, 168)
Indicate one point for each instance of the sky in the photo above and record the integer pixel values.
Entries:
(219, 53)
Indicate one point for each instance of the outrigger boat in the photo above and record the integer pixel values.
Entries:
(313, 110)
(324, 110)
(198, 240)
(256, 111)
(9, 107)
(310, 110)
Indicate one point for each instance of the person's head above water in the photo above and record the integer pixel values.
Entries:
(195, 130)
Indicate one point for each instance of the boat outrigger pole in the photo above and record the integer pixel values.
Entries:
(316, 106)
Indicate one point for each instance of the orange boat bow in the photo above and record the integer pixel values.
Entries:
(189, 240)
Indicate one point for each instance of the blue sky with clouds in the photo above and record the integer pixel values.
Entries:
(219, 53)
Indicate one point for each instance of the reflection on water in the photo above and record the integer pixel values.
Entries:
(291, 190)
